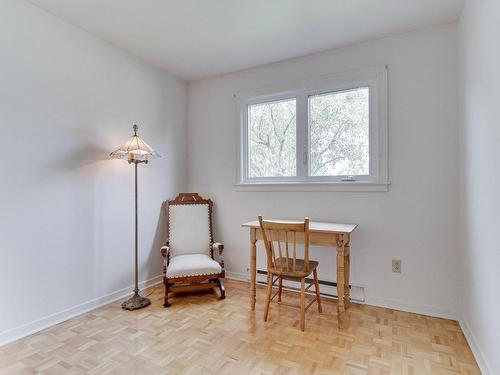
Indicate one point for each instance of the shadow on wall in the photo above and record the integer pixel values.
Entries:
(155, 259)
(84, 156)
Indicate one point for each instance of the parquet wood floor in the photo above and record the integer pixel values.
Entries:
(200, 335)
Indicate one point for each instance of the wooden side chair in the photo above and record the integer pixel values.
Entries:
(191, 259)
(285, 264)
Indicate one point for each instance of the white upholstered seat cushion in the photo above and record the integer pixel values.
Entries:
(192, 265)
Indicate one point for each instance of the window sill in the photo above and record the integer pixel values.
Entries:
(314, 186)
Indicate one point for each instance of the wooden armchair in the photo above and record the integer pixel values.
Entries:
(188, 255)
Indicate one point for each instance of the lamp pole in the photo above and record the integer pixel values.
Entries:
(136, 290)
(135, 151)
(136, 301)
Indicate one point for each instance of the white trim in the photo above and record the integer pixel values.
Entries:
(302, 137)
(436, 311)
(314, 186)
(237, 276)
(244, 277)
(30, 328)
(483, 364)
(51, 320)
(375, 78)
(416, 308)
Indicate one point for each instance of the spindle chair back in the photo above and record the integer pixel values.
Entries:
(284, 261)
(280, 240)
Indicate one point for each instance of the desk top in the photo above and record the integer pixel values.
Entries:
(314, 226)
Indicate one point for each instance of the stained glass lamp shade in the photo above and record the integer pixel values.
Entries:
(135, 150)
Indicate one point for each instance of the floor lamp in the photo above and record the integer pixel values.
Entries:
(135, 151)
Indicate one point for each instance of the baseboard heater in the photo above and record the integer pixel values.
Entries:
(357, 292)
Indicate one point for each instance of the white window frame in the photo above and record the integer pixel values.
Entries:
(375, 78)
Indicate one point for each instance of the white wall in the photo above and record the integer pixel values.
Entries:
(415, 221)
(480, 174)
(66, 222)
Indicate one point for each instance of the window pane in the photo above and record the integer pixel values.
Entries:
(271, 139)
(339, 133)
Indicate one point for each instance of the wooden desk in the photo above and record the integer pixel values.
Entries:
(331, 235)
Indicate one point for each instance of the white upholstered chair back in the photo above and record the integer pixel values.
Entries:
(189, 229)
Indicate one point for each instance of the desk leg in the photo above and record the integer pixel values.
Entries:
(340, 279)
(347, 271)
(253, 267)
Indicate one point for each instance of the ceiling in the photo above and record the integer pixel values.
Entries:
(199, 38)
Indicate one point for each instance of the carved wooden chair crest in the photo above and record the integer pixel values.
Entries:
(191, 259)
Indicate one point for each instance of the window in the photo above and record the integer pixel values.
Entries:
(272, 139)
(339, 127)
(329, 131)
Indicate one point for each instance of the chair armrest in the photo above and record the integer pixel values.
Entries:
(217, 248)
(165, 250)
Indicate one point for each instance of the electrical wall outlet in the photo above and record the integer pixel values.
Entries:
(396, 265)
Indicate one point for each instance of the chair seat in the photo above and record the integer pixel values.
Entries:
(299, 267)
(192, 265)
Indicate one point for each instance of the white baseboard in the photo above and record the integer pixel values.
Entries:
(48, 321)
(395, 304)
(474, 346)
(45, 322)
(237, 276)
(418, 309)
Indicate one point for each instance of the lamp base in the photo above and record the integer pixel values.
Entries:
(136, 302)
